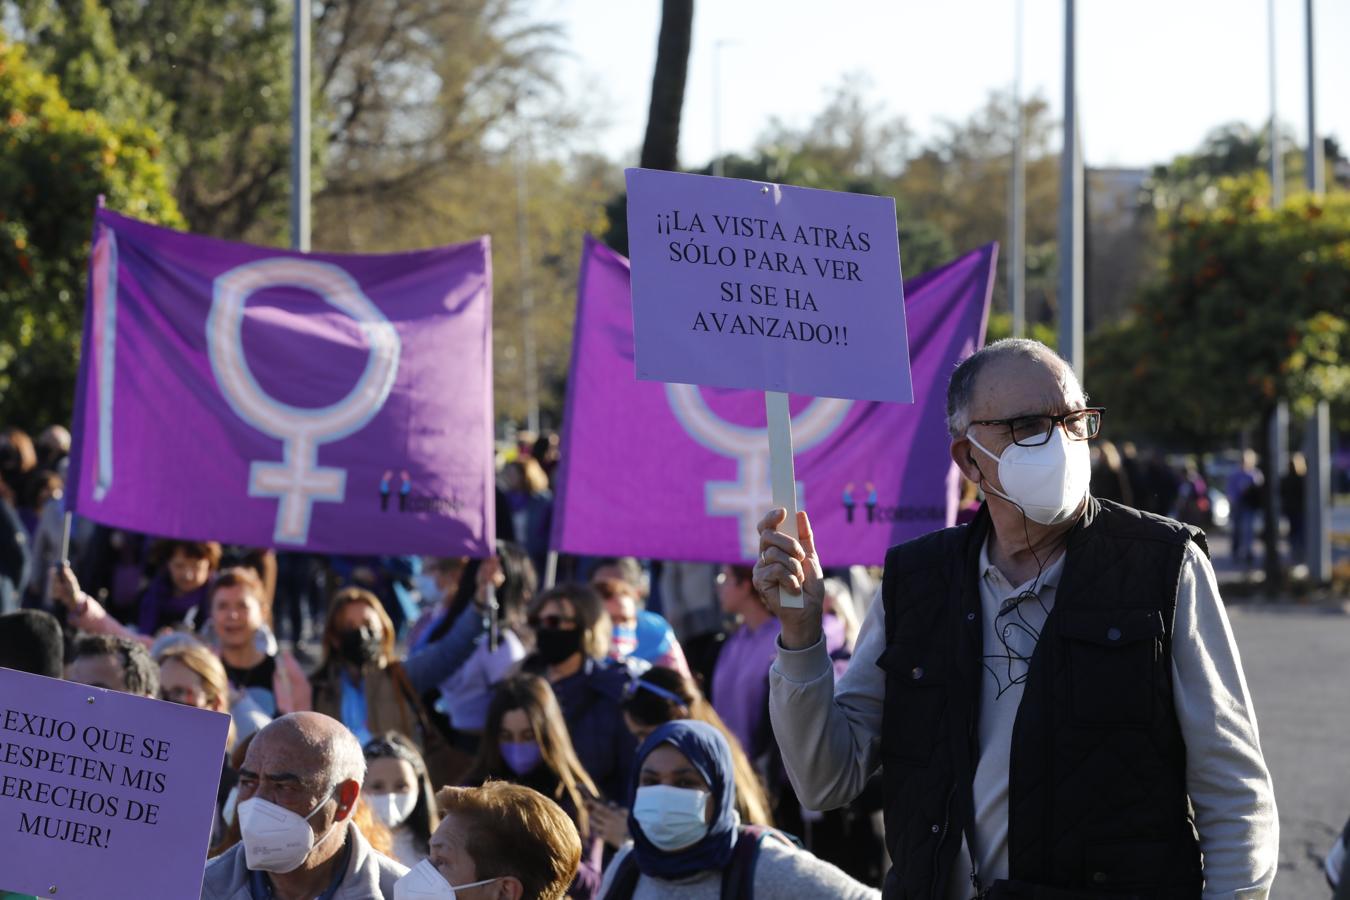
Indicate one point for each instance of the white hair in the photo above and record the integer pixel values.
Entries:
(961, 388)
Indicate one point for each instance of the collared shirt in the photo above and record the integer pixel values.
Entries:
(1013, 620)
(354, 707)
(830, 737)
(260, 886)
(740, 683)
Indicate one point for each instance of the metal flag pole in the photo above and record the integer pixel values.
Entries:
(1276, 163)
(1017, 291)
(300, 138)
(1071, 212)
(1317, 447)
(531, 372)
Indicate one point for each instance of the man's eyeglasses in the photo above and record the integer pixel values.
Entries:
(630, 690)
(1033, 431)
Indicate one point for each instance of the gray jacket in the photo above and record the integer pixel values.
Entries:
(370, 874)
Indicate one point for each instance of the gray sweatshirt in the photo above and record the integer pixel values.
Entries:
(829, 736)
(781, 873)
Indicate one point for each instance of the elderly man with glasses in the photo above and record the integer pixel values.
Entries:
(1052, 691)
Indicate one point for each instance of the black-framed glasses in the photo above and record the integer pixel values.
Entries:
(1033, 431)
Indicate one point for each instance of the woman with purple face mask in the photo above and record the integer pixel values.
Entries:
(525, 741)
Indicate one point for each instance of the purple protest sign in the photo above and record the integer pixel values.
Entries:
(104, 794)
(742, 284)
(674, 471)
(331, 403)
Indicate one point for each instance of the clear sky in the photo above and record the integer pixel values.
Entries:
(1154, 75)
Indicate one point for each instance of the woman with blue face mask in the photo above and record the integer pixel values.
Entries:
(525, 741)
(688, 843)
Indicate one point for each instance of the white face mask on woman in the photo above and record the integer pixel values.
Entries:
(276, 839)
(424, 882)
(672, 818)
(1047, 482)
(392, 809)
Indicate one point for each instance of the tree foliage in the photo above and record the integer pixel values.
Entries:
(402, 90)
(55, 161)
(1253, 306)
(558, 202)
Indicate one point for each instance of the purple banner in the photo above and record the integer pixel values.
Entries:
(330, 403)
(675, 471)
(104, 794)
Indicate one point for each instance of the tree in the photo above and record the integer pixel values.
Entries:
(661, 145)
(960, 181)
(403, 89)
(1260, 300)
(1253, 307)
(562, 201)
(54, 163)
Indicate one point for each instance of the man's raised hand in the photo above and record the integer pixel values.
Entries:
(791, 564)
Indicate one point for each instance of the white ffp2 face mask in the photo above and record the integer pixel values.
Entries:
(1047, 482)
(671, 818)
(392, 809)
(276, 839)
(424, 882)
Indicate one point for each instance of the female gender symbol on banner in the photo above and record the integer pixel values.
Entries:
(750, 496)
(298, 481)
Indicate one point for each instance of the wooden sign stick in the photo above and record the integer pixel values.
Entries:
(782, 475)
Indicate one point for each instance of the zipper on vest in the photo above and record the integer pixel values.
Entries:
(942, 838)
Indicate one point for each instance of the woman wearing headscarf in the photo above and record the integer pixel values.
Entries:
(688, 843)
(664, 695)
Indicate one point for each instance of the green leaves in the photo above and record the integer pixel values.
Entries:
(55, 161)
(1253, 306)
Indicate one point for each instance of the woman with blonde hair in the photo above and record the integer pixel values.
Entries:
(526, 742)
(190, 674)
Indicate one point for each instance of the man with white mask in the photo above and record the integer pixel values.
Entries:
(1052, 691)
(298, 787)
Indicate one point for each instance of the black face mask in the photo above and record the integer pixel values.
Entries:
(359, 647)
(555, 645)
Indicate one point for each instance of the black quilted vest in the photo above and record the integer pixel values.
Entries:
(1097, 793)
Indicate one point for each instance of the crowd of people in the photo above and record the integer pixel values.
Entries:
(1228, 495)
(1045, 701)
(435, 727)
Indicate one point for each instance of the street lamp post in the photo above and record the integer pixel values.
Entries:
(1317, 440)
(300, 139)
(1017, 291)
(1071, 212)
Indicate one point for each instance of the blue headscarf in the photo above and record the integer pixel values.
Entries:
(707, 750)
